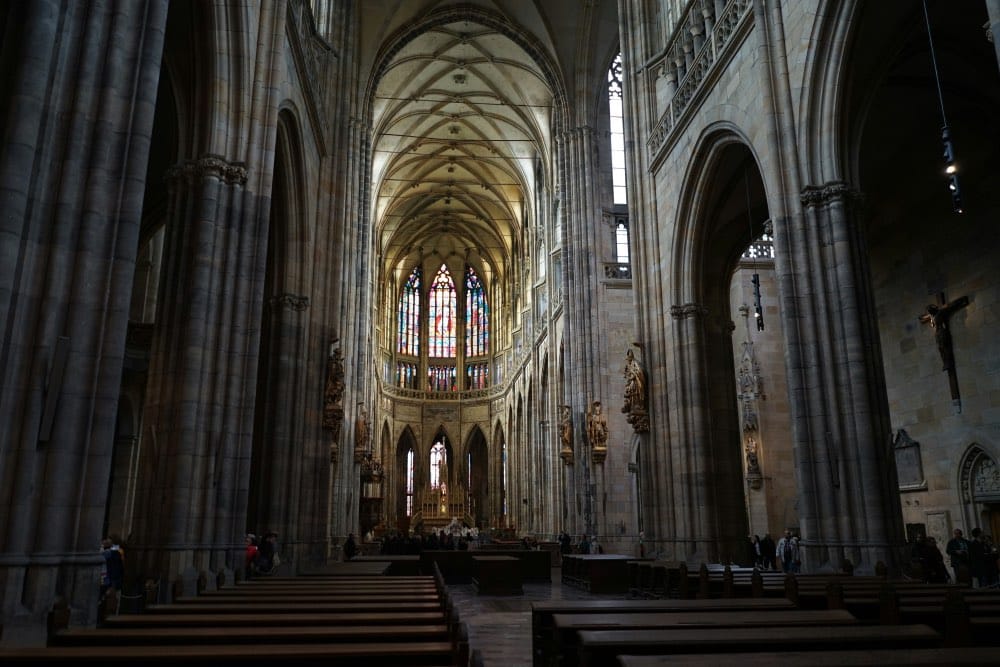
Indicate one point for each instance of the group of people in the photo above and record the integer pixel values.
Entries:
(587, 545)
(765, 554)
(975, 560)
(261, 554)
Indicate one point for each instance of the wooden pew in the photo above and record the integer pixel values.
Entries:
(939, 657)
(379, 654)
(257, 632)
(195, 620)
(601, 647)
(597, 573)
(567, 626)
(266, 623)
(543, 625)
(292, 608)
(497, 575)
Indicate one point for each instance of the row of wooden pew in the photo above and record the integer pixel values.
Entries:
(342, 619)
(966, 616)
(754, 631)
(740, 615)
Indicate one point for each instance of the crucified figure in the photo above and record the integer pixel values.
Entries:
(938, 316)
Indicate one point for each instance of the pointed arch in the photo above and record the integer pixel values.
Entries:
(405, 482)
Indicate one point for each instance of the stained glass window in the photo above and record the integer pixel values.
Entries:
(441, 310)
(406, 375)
(409, 315)
(477, 318)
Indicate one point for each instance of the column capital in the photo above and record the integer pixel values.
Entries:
(210, 165)
(290, 301)
(688, 310)
(821, 195)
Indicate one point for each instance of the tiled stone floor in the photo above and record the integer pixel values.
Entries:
(500, 626)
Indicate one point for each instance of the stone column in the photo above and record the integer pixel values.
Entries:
(80, 88)
(578, 163)
(198, 417)
(848, 495)
(708, 504)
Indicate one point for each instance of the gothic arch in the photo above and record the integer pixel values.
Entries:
(978, 484)
(278, 459)
(476, 464)
(714, 229)
(406, 442)
(498, 463)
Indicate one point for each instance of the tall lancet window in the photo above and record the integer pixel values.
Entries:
(477, 316)
(439, 465)
(617, 130)
(409, 482)
(441, 309)
(409, 315)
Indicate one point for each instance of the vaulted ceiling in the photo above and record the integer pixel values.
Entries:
(461, 115)
(463, 102)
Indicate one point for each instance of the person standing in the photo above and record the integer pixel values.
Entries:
(350, 547)
(113, 570)
(958, 549)
(767, 552)
(788, 552)
(250, 554)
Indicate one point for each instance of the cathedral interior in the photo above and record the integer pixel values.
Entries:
(663, 271)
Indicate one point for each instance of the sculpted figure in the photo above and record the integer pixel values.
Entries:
(333, 394)
(361, 430)
(597, 427)
(635, 385)
(566, 432)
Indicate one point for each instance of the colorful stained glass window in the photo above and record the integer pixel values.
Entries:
(409, 315)
(442, 305)
(477, 316)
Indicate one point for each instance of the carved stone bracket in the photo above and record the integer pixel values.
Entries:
(290, 301)
(599, 454)
(821, 195)
(688, 310)
(210, 165)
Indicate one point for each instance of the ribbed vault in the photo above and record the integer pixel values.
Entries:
(461, 125)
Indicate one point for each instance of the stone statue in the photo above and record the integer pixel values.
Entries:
(361, 432)
(333, 397)
(566, 433)
(635, 384)
(597, 432)
(635, 394)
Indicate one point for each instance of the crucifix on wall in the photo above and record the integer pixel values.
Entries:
(938, 315)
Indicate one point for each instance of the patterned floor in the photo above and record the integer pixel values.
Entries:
(500, 626)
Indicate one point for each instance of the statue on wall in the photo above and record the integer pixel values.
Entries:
(360, 433)
(635, 394)
(333, 397)
(566, 434)
(597, 432)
